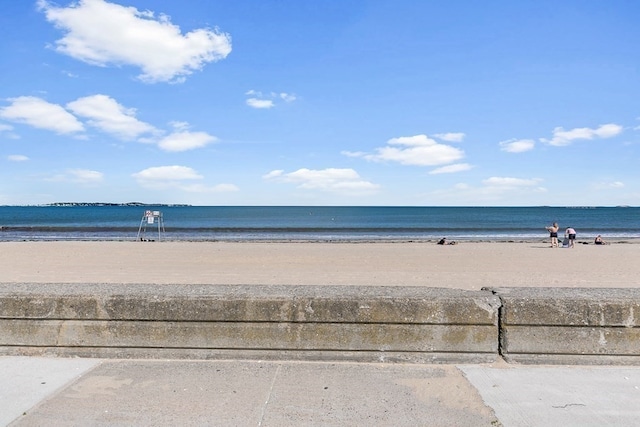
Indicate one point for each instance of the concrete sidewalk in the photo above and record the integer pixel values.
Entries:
(38, 391)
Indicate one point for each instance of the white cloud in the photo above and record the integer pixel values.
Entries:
(273, 174)
(183, 141)
(180, 126)
(510, 183)
(492, 190)
(609, 185)
(174, 177)
(260, 103)
(199, 188)
(517, 145)
(563, 137)
(288, 97)
(167, 173)
(264, 101)
(107, 115)
(17, 158)
(458, 167)
(332, 180)
(451, 136)
(7, 131)
(41, 114)
(80, 176)
(418, 150)
(102, 33)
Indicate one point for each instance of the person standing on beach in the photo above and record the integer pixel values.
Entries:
(553, 233)
(570, 233)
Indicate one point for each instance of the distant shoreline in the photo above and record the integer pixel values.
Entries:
(95, 204)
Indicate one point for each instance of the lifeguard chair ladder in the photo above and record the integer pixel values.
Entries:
(148, 219)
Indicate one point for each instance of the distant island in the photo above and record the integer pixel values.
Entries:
(110, 204)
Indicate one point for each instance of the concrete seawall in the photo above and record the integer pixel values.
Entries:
(354, 323)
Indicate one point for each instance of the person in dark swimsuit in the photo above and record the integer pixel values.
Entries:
(553, 234)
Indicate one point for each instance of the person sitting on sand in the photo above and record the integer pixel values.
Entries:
(443, 241)
(599, 241)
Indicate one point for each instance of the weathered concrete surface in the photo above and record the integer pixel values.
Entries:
(293, 322)
(569, 325)
(257, 393)
(79, 392)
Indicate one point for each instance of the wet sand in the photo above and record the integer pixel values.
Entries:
(468, 265)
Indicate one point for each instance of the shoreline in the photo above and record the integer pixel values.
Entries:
(609, 240)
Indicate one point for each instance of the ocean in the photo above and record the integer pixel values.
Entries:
(305, 223)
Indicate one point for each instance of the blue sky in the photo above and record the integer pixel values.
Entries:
(327, 102)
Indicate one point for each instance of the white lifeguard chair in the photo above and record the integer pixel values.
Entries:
(149, 218)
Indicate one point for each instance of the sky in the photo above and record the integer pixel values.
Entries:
(325, 102)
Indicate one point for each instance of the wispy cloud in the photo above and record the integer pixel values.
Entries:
(563, 137)
(458, 167)
(101, 33)
(178, 178)
(78, 176)
(17, 158)
(610, 185)
(517, 145)
(345, 181)
(451, 136)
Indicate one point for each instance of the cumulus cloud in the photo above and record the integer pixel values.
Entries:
(106, 114)
(260, 103)
(5, 128)
(418, 150)
(177, 177)
(185, 140)
(17, 158)
(332, 180)
(101, 33)
(458, 167)
(517, 145)
(563, 137)
(41, 114)
(260, 100)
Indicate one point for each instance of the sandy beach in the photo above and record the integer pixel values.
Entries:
(463, 266)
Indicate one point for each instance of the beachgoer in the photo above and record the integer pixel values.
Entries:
(442, 241)
(570, 233)
(553, 233)
(599, 241)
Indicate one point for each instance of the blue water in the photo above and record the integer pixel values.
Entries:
(198, 223)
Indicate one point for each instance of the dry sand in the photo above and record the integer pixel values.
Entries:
(464, 266)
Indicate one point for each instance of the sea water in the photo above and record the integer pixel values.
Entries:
(298, 223)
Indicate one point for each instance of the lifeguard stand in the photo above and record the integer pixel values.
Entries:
(149, 219)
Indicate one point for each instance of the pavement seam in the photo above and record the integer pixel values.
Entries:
(266, 403)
